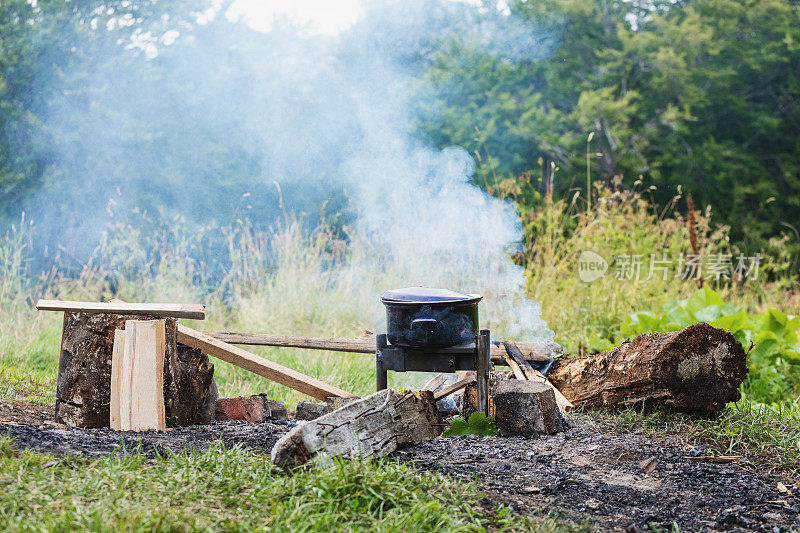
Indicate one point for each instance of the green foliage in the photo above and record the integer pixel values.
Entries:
(774, 361)
(700, 94)
(478, 424)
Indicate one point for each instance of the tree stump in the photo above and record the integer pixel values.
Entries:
(83, 392)
(697, 369)
(526, 408)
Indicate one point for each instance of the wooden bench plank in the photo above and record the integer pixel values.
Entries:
(193, 311)
(259, 365)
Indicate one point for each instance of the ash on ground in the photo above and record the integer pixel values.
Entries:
(588, 472)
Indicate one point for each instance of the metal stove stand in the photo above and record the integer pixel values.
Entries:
(472, 356)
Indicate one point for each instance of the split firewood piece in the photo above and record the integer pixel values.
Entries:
(374, 426)
(435, 382)
(116, 377)
(259, 365)
(531, 374)
(697, 369)
(453, 387)
(195, 311)
(137, 370)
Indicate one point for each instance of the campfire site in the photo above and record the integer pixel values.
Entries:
(381, 265)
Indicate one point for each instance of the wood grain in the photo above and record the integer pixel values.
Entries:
(193, 311)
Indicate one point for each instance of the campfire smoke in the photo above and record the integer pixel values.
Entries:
(327, 118)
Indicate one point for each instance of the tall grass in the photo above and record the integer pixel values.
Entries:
(622, 222)
(289, 279)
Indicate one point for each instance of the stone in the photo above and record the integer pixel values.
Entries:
(254, 409)
(310, 410)
(526, 408)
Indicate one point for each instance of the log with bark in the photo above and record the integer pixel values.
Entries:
(697, 369)
(374, 426)
(83, 391)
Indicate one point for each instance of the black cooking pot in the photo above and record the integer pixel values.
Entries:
(424, 317)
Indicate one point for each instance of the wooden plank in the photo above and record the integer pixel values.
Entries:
(533, 351)
(532, 374)
(116, 377)
(364, 344)
(147, 384)
(259, 365)
(435, 382)
(193, 311)
(453, 387)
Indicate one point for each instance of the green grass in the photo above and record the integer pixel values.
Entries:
(769, 434)
(237, 490)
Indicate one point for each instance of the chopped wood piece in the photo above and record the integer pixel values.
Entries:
(195, 311)
(648, 465)
(142, 376)
(435, 382)
(116, 378)
(336, 403)
(254, 409)
(374, 426)
(533, 351)
(515, 368)
(259, 365)
(526, 408)
(531, 374)
(697, 369)
(453, 387)
(310, 410)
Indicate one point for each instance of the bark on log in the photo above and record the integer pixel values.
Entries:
(374, 426)
(83, 392)
(698, 369)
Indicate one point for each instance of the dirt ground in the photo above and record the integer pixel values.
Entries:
(587, 473)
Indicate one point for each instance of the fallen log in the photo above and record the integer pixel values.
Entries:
(374, 426)
(697, 369)
(533, 351)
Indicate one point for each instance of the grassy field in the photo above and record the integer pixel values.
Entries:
(287, 280)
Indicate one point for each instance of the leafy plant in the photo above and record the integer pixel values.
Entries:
(478, 424)
(774, 360)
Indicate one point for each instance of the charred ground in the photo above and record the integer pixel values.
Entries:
(591, 473)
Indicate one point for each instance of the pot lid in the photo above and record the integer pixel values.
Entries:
(426, 295)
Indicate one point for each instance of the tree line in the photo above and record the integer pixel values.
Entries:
(698, 94)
